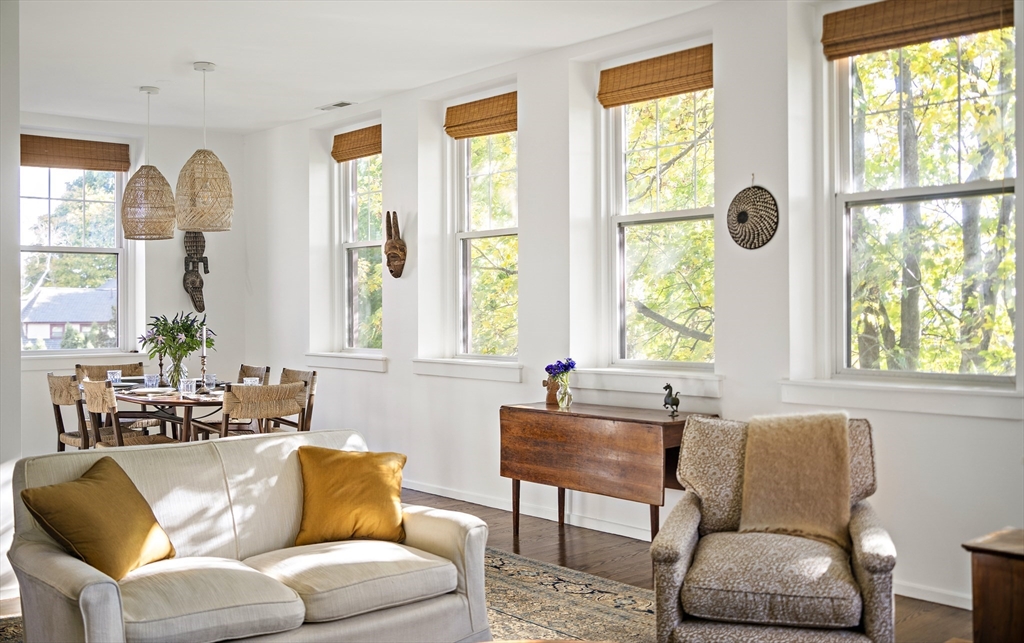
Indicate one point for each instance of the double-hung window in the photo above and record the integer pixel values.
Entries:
(73, 256)
(925, 205)
(485, 209)
(360, 217)
(661, 194)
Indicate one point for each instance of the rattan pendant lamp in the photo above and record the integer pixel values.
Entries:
(203, 199)
(147, 208)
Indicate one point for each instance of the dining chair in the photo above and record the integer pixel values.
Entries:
(262, 405)
(262, 372)
(64, 392)
(99, 399)
(308, 379)
(98, 372)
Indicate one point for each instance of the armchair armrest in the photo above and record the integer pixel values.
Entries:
(672, 552)
(872, 547)
(873, 558)
(64, 598)
(462, 539)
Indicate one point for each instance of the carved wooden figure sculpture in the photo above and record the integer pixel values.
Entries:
(195, 246)
(394, 247)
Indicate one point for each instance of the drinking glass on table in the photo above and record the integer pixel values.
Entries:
(188, 386)
(114, 376)
(151, 380)
(211, 380)
(250, 381)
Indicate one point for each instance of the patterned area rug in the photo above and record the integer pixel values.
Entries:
(528, 599)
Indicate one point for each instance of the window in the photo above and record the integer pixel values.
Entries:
(361, 201)
(925, 195)
(73, 260)
(485, 206)
(662, 196)
(488, 245)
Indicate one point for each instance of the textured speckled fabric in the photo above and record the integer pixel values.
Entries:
(697, 631)
(771, 579)
(874, 557)
(672, 552)
(711, 464)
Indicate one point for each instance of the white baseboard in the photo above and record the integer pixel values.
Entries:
(932, 594)
(10, 607)
(538, 511)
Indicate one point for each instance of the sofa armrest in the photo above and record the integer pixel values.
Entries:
(873, 558)
(64, 598)
(462, 539)
(672, 552)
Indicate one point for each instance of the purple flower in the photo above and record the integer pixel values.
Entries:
(181, 337)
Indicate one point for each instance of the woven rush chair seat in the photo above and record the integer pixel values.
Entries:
(308, 379)
(99, 399)
(131, 420)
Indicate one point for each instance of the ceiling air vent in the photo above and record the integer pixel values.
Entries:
(327, 108)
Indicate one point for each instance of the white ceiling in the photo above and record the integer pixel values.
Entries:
(278, 60)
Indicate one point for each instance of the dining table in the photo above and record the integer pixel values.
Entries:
(167, 405)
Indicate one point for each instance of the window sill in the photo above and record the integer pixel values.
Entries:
(684, 383)
(368, 362)
(961, 401)
(470, 369)
(31, 361)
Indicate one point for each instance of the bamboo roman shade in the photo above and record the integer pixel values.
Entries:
(684, 71)
(900, 23)
(356, 144)
(74, 154)
(494, 115)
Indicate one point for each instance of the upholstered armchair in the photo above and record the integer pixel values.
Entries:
(715, 584)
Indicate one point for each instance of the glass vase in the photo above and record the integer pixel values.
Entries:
(176, 372)
(564, 394)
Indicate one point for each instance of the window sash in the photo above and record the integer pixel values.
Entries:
(462, 236)
(121, 249)
(618, 220)
(843, 203)
(347, 218)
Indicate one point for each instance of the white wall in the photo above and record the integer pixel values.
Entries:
(226, 287)
(10, 335)
(942, 478)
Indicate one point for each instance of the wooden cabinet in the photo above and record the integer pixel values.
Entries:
(619, 452)
(997, 579)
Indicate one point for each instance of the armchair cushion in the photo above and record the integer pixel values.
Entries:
(771, 579)
(341, 579)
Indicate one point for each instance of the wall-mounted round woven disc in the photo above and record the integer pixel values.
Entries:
(753, 217)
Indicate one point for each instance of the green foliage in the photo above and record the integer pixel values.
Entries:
(72, 338)
(176, 338)
(668, 266)
(368, 198)
(366, 305)
(933, 282)
(493, 182)
(493, 295)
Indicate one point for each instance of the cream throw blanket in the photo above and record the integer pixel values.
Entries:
(796, 477)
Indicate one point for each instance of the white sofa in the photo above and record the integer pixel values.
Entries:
(232, 509)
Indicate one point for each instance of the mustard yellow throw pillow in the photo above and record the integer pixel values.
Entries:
(102, 519)
(350, 495)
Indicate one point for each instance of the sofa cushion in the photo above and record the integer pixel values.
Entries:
(349, 495)
(771, 579)
(205, 599)
(101, 518)
(342, 579)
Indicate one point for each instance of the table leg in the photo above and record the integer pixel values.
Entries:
(655, 523)
(515, 507)
(561, 507)
(186, 425)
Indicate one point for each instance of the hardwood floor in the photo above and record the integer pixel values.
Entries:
(627, 560)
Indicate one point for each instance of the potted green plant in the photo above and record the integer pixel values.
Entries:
(175, 339)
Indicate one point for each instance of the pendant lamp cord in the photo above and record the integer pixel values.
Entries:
(204, 109)
(148, 96)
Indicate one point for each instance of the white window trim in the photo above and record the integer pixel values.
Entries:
(343, 193)
(840, 132)
(126, 251)
(614, 199)
(457, 258)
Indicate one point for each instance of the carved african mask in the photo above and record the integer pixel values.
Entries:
(195, 246)
(394, 247)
